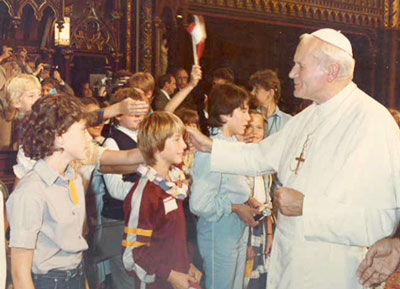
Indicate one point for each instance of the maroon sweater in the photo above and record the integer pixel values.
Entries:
(154, 241)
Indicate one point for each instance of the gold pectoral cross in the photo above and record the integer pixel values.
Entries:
(300, 159)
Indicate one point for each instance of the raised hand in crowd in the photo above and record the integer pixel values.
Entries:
(6, 52)
(39, 69)
(57, 76)
(180, 96)
(195, 75)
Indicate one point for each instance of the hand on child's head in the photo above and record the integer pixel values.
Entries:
(135, 107)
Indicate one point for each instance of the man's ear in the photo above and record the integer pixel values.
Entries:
(333, 71)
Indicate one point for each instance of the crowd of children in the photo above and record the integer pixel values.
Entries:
(82, 198)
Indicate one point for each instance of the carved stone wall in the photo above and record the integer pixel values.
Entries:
(92, 34)
(364, 21)
(368, 13)
(15, 8)
(146, 36)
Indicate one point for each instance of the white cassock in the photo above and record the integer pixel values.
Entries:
(350, 179)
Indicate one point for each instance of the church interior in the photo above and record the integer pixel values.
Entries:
(88, 41)
(242, 35)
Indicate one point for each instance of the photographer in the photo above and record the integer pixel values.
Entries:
(104, 88)
(6, 52)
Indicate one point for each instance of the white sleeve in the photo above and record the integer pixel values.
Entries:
(24, 164)
(117, 188)
(247, 159)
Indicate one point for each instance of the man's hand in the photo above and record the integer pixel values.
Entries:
(39, 69)
(289, 201)
(195, 273)
(195, 75)
(246, 214)
(6, 53)
(57, 76)
(180, 280)
(380, 262)
(133, 107)
(199, 140)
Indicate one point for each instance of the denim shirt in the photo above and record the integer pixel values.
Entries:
(213, 193)
(275, 122)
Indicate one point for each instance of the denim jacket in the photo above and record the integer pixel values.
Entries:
(213, 193)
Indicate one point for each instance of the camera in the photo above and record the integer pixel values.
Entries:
(110, 81)
(50, 67)
(264, 211)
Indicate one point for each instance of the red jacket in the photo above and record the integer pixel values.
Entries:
(155, 235)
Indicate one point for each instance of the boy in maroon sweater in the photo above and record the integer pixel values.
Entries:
(155, 247)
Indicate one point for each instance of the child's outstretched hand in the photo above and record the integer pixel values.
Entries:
(133, 107)
(180, 280)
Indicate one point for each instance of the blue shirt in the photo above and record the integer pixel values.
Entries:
(275, 122)
(213, 193)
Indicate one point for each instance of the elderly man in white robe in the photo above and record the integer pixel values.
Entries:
(339, 165)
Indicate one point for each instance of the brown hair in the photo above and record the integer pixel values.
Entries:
(142, 80)
(50, 81)
(188, 116)
(51, 116)
(224, 99)
(124, 93)
(154, 130)
(224, 73)
(267, 79)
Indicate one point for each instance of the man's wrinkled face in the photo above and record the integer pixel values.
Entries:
(308, 75)
(182, 78)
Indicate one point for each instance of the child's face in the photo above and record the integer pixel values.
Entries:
(174, 149)
(256, 128)
(237, 122)
(46, 89)
(94, 131)
(192, 125)
(260, 95)
(131, 122)
(75, 141)
(27, 99)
